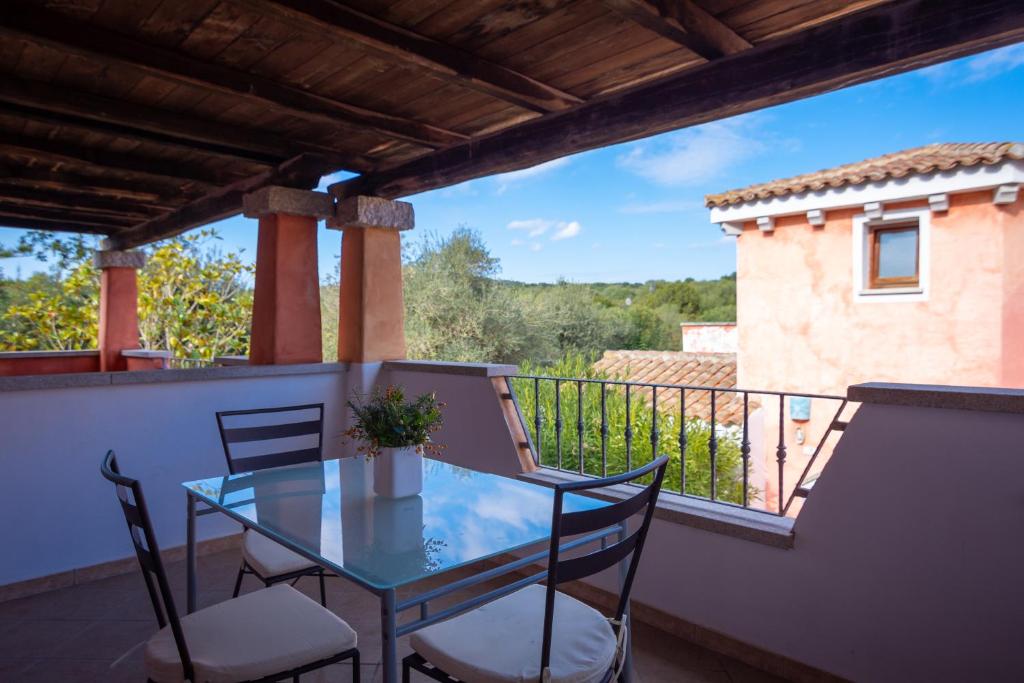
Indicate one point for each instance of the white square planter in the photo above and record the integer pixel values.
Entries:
(398, 472)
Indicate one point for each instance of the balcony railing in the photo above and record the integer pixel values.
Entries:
(599, 427)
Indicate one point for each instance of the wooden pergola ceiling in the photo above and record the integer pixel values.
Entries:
(140, 119)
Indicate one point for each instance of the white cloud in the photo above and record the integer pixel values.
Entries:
(975, 69)
(567, 230)
(536, 246)
(516, 243)
(695, 155)
(535, 227)
(670, 206)
(991, 64)
(506, 180)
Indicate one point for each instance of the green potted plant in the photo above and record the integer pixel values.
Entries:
(396, 433)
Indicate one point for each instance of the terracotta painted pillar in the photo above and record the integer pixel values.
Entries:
(286, 302)
(119, 305)
(372, 311)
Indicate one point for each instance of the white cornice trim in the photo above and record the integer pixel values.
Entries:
(886, 191)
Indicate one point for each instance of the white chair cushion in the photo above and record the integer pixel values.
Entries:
(269, 557)
(501, 641)
(258, 634)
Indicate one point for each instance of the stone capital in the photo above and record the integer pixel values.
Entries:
(274, 199)
(110, 258)
(372, 212)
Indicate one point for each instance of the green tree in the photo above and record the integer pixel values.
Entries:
(456, 310)
(193, 299)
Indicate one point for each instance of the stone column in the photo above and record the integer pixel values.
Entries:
(286, 303)
(371, 311)
(119, 305)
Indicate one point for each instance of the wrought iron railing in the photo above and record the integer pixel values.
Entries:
(597, 427)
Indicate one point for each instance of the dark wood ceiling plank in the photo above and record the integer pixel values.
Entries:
(115, 50)
(73, 200)
(66, 107)
(878, 42)
(59, 215)
(342, 23)
(683, 22)
(303, 172)
(111, 160)
(29, 223)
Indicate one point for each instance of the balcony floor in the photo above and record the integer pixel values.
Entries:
(92, 632)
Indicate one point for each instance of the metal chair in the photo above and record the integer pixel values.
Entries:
(492, 642)
(267, 635)
(242, 438)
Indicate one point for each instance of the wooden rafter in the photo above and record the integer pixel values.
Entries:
(77, 225)
(62, 152)
(882, 41)
(683, 22)
(302, 172)
(62, 106)
(71, 200)
(31, 23)
(347, 25)
(48, 216)
(56, 178)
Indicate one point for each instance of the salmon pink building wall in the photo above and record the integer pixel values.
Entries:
(802, 328)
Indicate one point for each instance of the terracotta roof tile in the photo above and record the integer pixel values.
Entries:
(717, 370)
(927, 159)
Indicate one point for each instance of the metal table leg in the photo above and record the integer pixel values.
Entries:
(389, 636)
(627, 667)
(190, 552)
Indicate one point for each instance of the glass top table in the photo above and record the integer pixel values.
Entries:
(327, 512)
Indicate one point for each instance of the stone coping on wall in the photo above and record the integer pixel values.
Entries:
(987, 399)
(748, 525)
(453, 368)
(12, 355)
(96, 379)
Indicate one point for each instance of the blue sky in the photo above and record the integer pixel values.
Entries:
(635, 211)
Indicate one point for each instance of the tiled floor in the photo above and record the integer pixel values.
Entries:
(94, 632)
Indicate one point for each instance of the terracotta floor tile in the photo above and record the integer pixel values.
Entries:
(89, 632)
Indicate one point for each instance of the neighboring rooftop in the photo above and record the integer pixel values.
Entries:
(919, 160)
(716, 370)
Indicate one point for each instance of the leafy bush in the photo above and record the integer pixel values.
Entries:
(616, 457)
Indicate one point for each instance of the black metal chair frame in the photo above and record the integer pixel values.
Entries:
(561, 571)
(148, 552)
(229, 436)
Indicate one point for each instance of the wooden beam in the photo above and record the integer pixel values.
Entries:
(882, 41)
(13, 221)
(61, 106)
(30, 22)
(47, 150)
(71, 202)
(301, 172)
(54, 216)
(346, 25)
(683, 22)
(56, 178)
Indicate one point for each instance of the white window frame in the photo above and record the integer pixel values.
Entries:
(862, 225)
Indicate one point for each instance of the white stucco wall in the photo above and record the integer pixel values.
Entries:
(58, 512)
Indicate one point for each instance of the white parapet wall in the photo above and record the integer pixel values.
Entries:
(55, 429)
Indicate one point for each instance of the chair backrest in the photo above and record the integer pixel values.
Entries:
(271, 437)
(587, 521)
(133, 504)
